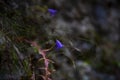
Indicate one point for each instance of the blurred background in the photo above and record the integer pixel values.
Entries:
(88, 29)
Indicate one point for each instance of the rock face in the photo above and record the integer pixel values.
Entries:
(89, 31)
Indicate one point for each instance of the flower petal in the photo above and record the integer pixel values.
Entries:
(59, 44)
(52, 12)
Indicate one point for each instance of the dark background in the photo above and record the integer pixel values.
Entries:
(88, 29)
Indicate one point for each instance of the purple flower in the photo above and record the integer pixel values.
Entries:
(59, 45)
(52, 12)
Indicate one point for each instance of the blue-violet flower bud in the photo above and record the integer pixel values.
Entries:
(59, 45)
(52, 11)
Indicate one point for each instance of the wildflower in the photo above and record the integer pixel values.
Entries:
(59, 44)
(52, 12)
